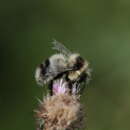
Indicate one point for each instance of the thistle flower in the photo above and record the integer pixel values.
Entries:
(60, 87)
(62, 111)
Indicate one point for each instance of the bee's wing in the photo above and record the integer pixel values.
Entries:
(61, 48)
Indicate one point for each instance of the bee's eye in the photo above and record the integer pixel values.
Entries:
(43, 69)
(47, 62)
(79, 62)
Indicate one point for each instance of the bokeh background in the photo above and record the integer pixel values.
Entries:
(98, 29)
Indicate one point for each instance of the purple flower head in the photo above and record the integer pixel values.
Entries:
(60, 87)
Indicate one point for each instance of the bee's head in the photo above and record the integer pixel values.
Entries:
(75, 61)
(41, 73)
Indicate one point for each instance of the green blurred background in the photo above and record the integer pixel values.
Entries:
(98, 29)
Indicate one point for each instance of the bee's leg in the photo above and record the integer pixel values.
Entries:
(82, 80)
(51, 87)
(61, 75)
(70, 84)
(83, 86)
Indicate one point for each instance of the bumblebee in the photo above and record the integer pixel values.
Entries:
(65, 64)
